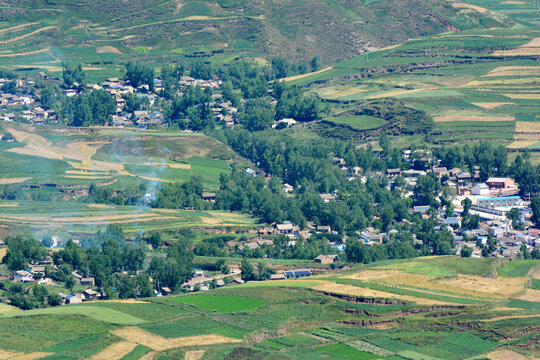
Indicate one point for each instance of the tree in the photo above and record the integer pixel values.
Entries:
(315, 63)
(72, 74)
(155, 239)
(70, 283)
(466, 251)
(258, 115)
(139, 74)
(466, 203)
(247, 270)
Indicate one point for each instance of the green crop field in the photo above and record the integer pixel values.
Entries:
(221, 303)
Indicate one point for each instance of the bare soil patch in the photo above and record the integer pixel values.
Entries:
(159, 343)
(26, 53)
(372, 274)
(115, 351)
(3, 252)
(4, 354)
(211, 221)
(444, 118)
(18, 27)
(533, 43)
(519, 51)
(6, 181)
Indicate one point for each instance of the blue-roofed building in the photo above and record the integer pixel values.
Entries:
(421, 209)
(504, 201)
(296, 274)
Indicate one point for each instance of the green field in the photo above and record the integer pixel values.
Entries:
(221, 303)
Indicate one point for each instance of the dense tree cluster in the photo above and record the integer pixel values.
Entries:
(85, 110)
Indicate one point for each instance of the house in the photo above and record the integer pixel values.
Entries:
(70, 92)
(77, 276)
(73, 299)
(440, 171)
(42, 75)
(208, 196)
(452, 221)
(37, 269)
(165, 291)
(22, 276)
(296, 274)
(421, 209)
(220, 283)
(90, 295)
(324, 229)
(328, 197)
(251, 172)
(500, 183)
(325, 259)
(89, 281)
(287, 228)
(238, 280)
(393, 172)
(480, 189)
(278, 276)
(287, 188)
(496, 202)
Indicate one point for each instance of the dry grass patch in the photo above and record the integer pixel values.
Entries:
(4, 354)
(533, 43)
(194, 355)
(505, 355)
(393, 93)
(530, 295)
(3, 252)
(6, 181)
(506, 317)
(148, 356)
(515, 71)
(527, 126)
(521, 144)
(115, 351)
(372, 274)
(296, 77)
(501, 286)
(523, 96)
(17, 27)
(335, 288)
(491, 105)
(107, 49)
(99, 206)
(521, 51)
(87, 177)
(445, 118)
(31, 356)
(481, 10)
(159, 343)
(27, 35)
(211, 221)
(26, 53)
(126, 301)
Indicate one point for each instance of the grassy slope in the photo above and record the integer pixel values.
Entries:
(102, 33)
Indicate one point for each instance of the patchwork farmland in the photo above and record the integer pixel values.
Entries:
(430, 308)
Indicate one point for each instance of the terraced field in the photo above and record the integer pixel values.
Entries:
(476, 84)
(429, 308)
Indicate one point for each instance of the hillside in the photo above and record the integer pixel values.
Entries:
(407, 309)
(478, 84)
(103, 33)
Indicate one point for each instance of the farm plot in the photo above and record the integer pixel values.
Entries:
(360, 122)
(158, 343)
(225, 304)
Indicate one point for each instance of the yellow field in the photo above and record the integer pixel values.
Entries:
(533, 43)
(26, 53)
(515, 71)
(521, 144)
(3, 252)
(518, 52)
(525, 80)
(107, 49)
(115, 351)
(523, 96)
(333, 93)
(393, 93)
(491, 105)
(530, 295)
(501, 286)
(444, 118)
(528, 126)
(469, 6)
(505, 355)
(194, 354)
(30, 356)
(296, 77)
(498, 318)
(26, 35)
(158, 343)
(6, 181)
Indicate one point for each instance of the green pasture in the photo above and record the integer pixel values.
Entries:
(517, 268)
(360, 122)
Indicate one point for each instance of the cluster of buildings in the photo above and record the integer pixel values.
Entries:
(26, 106)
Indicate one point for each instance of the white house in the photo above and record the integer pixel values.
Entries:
(480, 189)
(22, 276)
